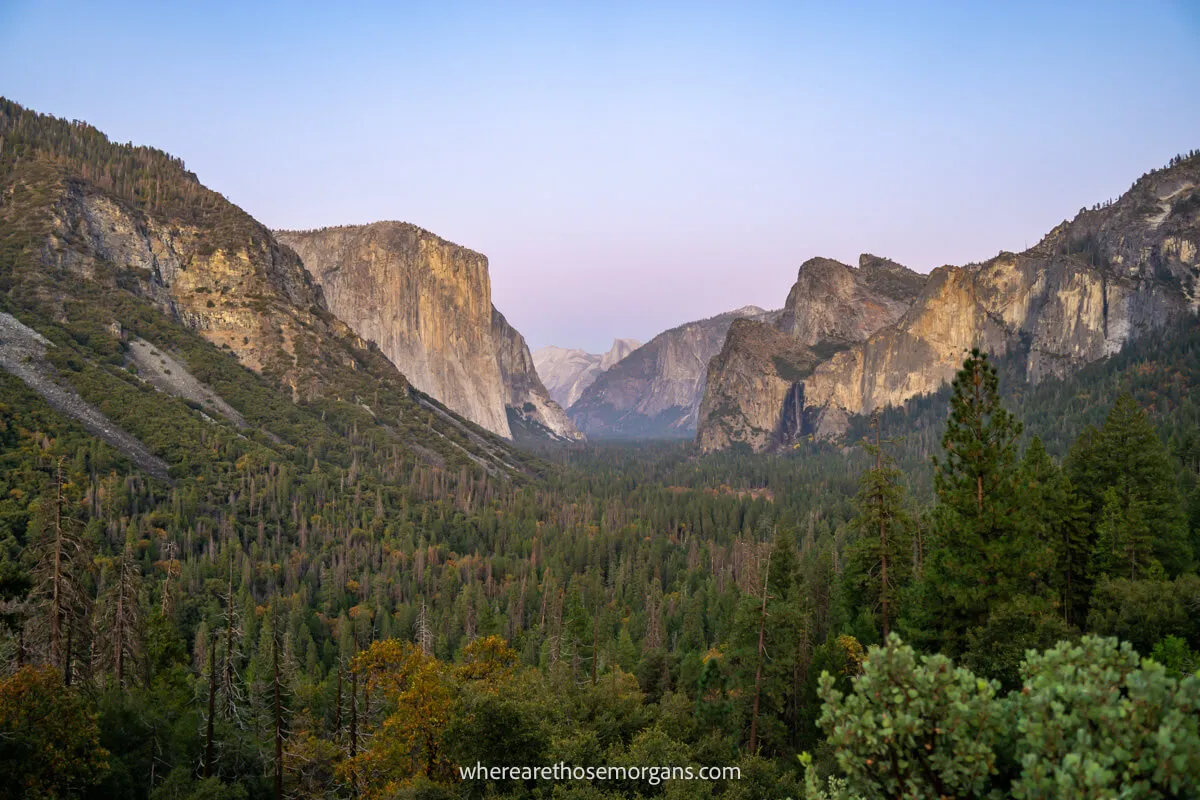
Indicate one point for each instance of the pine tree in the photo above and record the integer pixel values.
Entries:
(880, 562)
(60, 594)
(769, 625)
(1123, 539)
(1126, 454)
(1056, 517)
(983, 554)
(118, 621)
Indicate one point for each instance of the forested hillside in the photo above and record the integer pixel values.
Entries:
(352, 593)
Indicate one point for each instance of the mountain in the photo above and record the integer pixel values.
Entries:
(567, 372)
(1111, 275)
(830, 307)
(655, 391)
(1107, 277)
(530, 409)
(164, 319)
(427, 303)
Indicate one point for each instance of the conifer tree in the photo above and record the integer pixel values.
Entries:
(880, 562)
(1057, 518)
(118, 621)
(1126, 454)
(1123, 539)
(768, 627)
(983, 554)
(61, 562)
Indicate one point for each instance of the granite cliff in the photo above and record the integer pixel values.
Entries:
(426, 303)
(656, 390)
(830, 307)
(529, 406)
(233, 284)
(1110, 275)
(118, 253)
(567, 372)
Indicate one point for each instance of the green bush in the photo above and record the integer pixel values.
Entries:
(1091, 720)
(914, 727)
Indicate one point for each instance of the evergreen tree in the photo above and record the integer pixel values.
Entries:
(1127, 455)
(984, 553)
(1056, 517)
(770, 625)
(118, 620)
(880, 561)
(61, 556)
(1123, 540)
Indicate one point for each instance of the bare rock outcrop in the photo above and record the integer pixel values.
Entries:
(528, 403)
(656, 390)
(748, 385)
(1112, 274)
(426, 302)
(751, 396)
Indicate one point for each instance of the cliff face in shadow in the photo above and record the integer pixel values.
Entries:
(656, 390)
(528, 404)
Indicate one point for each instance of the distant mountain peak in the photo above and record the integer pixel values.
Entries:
(567, 372)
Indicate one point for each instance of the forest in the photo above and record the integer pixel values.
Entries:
(829, 623)
(990, 592)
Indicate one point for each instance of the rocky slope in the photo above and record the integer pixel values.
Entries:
(1092, 284)
(748, 385)
(22, 355)
(529, 406)
(749, 396)
(656, 390)
(1110, 275)
(239, 288)
(107, 245)
(567, 372)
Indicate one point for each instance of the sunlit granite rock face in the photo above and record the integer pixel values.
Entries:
(656, 390)
(833, 303)
(1112, 274)
(426, 303)
(238, 287)
(830, 307)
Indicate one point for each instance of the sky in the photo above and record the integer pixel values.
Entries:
(627, 167)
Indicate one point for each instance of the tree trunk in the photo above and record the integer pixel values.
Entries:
(56, 603)
(883, 546)
(762, 627)
(278, 714)
(337, 717)
(212, 705)
(595, 644)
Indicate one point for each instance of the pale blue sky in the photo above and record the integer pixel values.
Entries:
(630, 166)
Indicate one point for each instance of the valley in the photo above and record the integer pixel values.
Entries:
(300, 514)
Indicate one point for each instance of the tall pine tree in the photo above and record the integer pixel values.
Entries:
(880, 561)
(983, 554)
(1126, 455)
(1057, 518)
